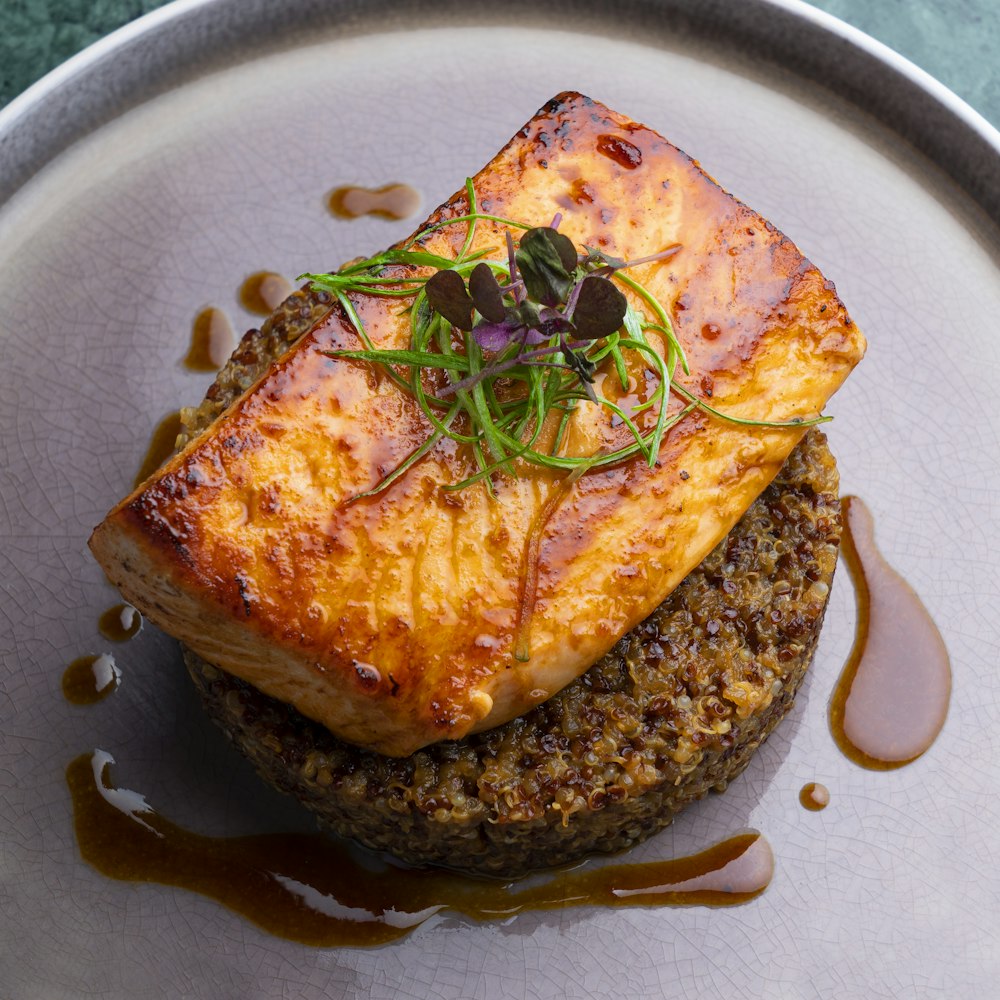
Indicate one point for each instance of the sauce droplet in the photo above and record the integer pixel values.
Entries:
(88, 679)
(311, 889)
(620, 150)
(264, 291)
(161, 446)
(394, 201)
(120, 623)
(892, 696)
(211, 341)
(814, 796)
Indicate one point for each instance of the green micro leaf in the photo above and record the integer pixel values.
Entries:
(546, 260)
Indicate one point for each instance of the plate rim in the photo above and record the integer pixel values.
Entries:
(185, 5)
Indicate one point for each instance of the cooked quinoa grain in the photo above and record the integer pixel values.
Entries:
(676, 708)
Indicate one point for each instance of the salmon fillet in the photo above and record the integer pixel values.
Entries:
(393, 619)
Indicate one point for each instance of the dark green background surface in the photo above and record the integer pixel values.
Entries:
(957, 41)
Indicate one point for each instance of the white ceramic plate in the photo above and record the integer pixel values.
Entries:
(147, 179)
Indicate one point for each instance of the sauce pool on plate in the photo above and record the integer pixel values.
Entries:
(892, 696)
(120, 623)
(393, 201)
(212, 341)
(814, 796)
(263, 292)
(311, 888)
(161, 445)
(88, 679)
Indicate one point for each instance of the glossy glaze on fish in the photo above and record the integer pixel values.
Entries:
(393, 620)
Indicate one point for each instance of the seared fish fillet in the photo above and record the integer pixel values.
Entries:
(393, 620)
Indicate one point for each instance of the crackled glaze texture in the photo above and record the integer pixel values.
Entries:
(110, 251)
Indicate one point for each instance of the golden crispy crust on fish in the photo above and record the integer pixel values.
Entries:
(393, 620)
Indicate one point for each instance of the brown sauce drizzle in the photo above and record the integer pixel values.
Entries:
(814, 796)
(263, 292)
(393, 201)
(309, 888)
(212, 341)
(892, 696)
(161, 446)
(120, 623)
(88, 679)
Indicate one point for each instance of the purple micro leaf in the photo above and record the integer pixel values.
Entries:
(494, 336)
(600, 308)
(447, 295)
(533, 336)
(486, 293)
(554, 324)
(556, 219)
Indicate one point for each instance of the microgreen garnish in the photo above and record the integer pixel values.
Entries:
(507, 342)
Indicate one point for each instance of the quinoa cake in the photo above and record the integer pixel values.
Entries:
(405, 615)
(675, 709)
